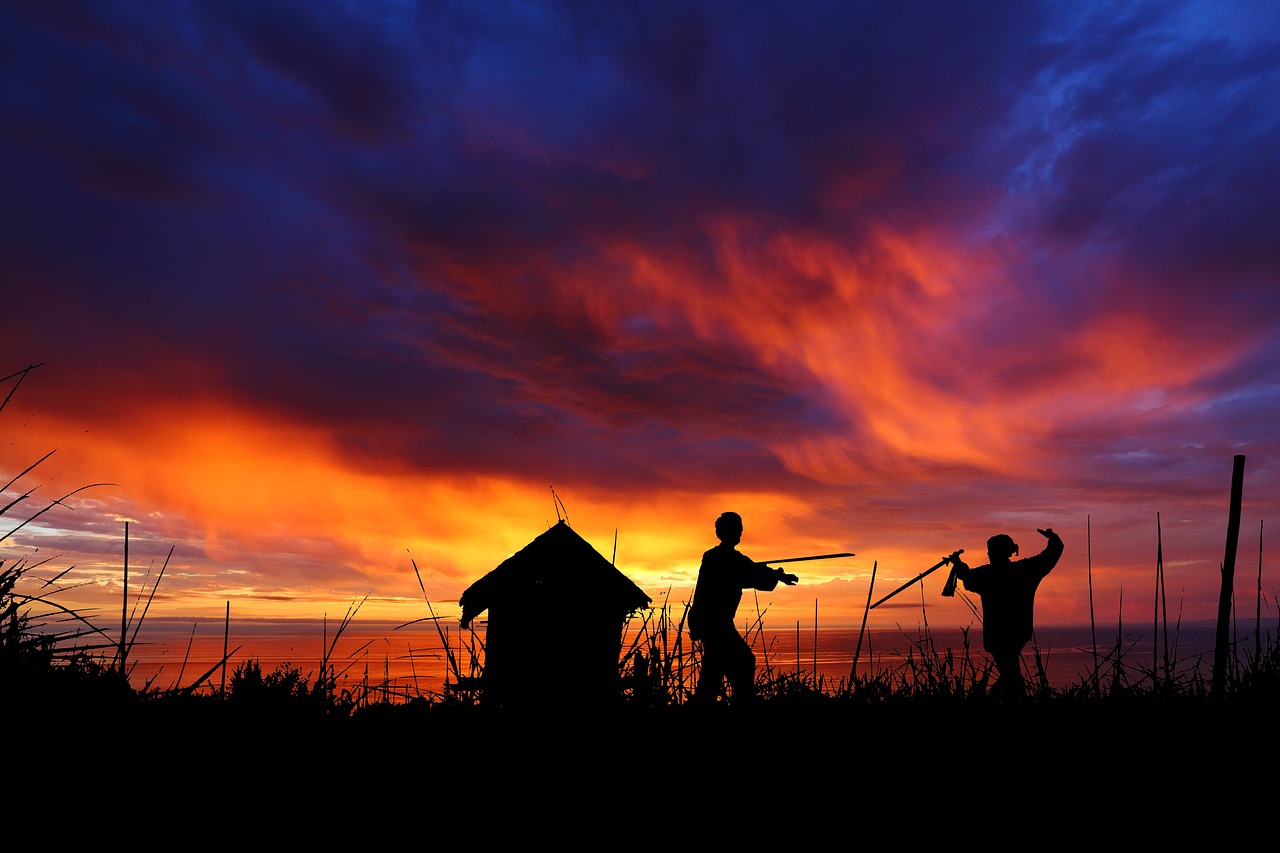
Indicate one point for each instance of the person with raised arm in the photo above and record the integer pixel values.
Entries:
(1007, 589)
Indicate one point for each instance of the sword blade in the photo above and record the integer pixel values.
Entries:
(800, 559)
(918, 577)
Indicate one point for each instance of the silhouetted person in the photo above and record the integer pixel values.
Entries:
(724, 574)
(1007, 588)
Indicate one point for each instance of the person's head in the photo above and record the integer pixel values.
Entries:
(1001, 547)
(729, 528)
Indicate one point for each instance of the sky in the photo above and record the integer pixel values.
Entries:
(341, 303)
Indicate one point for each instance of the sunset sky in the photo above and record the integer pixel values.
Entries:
(320, 290)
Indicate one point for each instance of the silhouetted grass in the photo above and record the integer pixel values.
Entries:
(658, 669)
(57, 664)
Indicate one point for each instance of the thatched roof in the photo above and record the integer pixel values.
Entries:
(558, 564)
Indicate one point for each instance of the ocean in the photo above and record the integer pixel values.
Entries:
(413, 659)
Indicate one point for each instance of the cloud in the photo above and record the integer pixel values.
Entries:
(880, 268)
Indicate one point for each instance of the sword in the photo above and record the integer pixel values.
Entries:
(932, 568)
(799, 559)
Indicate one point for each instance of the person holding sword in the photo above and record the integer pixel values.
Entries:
(724, 573)
(1007, 588)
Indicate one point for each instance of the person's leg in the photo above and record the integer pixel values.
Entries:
(1009, 681)
(740, 670)
(712, 670)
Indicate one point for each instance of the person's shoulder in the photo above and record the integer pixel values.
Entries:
(724, 555)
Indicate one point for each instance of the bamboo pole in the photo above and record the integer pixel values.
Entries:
(226, 630)
(1118, 672)
(1155, 628)
(1257, 619)
(1164, 605)
(1228, 577)
(1093, 626)
(124, 600)
(858, 650)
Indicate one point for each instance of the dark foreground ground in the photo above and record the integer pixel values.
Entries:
(907, 775)
(1117, 749)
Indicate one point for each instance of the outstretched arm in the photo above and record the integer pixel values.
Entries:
(766, 577)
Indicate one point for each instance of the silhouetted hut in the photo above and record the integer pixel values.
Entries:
(556, 613)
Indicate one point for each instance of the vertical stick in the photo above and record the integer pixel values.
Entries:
(1257, 619)
(853, 671)
(1093, 625)
(1155, 627)
(124, 602)
(226, 629)
(1118, 670)
(1164, 604)
(1228, 577)
(815, 642)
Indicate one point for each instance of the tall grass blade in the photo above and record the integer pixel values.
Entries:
(55, 502)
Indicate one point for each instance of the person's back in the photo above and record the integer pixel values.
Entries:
(1007, 589)
(718, 592)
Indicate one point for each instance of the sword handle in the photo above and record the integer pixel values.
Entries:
(949, 588)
